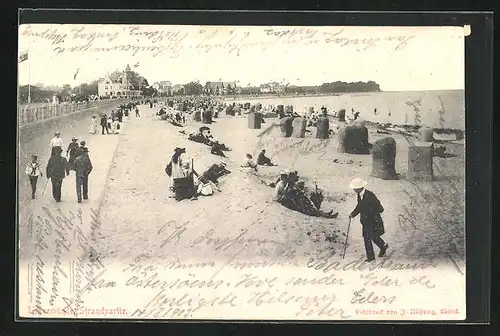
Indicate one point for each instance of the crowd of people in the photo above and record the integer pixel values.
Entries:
(186, 183)
(77, 156)
(289, 190)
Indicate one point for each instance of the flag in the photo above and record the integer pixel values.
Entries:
(23, 57)
(76, 73)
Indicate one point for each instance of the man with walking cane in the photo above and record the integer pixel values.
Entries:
(369, 209)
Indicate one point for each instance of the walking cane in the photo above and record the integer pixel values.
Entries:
(346, 237)
(45, 186)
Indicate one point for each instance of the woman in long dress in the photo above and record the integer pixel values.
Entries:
(93, 125)
(114, 123)
(182, 179)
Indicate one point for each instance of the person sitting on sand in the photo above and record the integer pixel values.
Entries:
(263, 160)
(182, 182)
(204, 187)
(161, 112)
(281, 187)
(249, 163)
(217, 149)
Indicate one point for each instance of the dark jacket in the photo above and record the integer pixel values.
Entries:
(72, 149)
(104, 121)
(56, 168)
(369, 210)
(83, 166)
(215, 172)
(79, 151)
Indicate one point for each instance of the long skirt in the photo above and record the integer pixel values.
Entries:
(183, 188)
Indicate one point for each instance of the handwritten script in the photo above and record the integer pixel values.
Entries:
(173, 41)
(72, 280)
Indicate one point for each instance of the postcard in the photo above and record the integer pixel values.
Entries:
(278, 173)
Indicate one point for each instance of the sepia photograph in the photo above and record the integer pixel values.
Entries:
(182, 172)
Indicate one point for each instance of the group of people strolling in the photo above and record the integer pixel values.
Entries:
(58, 167)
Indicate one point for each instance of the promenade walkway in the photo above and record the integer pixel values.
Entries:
(36, 141)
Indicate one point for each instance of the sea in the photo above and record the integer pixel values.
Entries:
(435, 109)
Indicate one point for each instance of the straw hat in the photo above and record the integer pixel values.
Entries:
(284, 172)
(357, 183)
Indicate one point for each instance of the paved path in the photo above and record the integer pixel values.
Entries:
(36, 141)
(54, 235)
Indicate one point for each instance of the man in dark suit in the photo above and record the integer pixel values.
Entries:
(56, 171)
(72, 150)
(83, 167)
(104, 124)
(369, 209)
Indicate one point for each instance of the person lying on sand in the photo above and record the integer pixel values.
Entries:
(297, 199)
(217, 149)
(197, 137)
(263, 160)
(293, 196)
(216, 171)
(248, 162)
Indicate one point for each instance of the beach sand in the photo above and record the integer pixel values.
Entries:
(139, 217)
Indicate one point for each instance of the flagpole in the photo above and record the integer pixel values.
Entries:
(29, 80)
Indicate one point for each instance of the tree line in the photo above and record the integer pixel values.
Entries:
(85, 91)
(195, 88)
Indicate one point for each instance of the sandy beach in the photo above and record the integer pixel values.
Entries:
(137, 211)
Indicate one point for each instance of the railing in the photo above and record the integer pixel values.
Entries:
(28, 115)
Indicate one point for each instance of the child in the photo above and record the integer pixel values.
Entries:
(33, 171)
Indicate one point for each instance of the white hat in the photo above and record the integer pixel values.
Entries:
(284, 172)
(357, 183)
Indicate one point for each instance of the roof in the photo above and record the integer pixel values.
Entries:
(214, 85)
(168, 83)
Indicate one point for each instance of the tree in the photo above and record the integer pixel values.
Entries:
(193, 88)
(37, 94)
(208, 88)
(149, 91)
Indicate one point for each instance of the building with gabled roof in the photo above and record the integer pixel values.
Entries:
(163, 87)
(119, 85)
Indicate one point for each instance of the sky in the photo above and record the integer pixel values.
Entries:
(397, 58)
